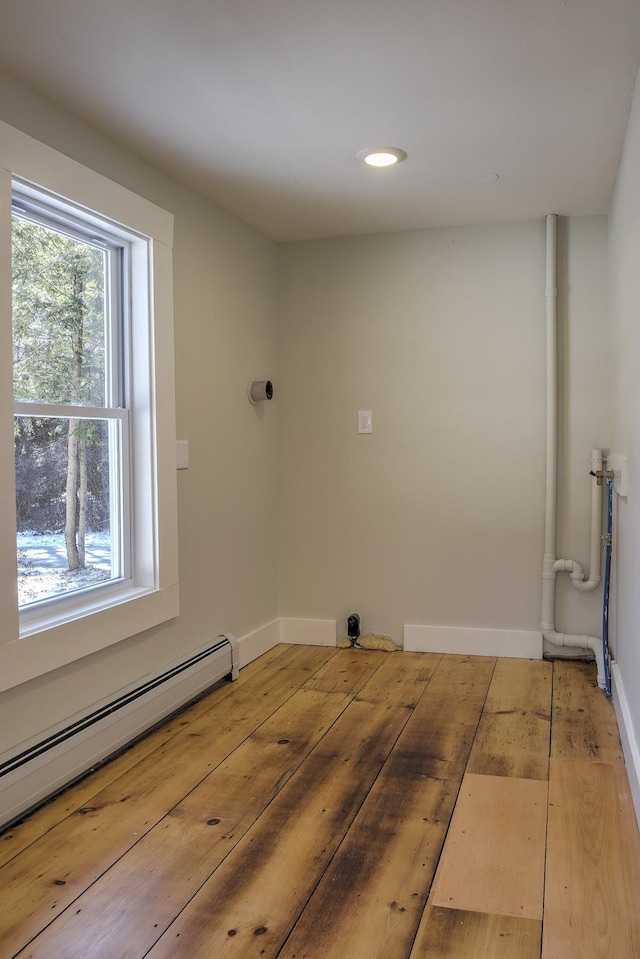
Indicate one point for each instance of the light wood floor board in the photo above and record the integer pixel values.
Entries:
(370, 899)
(53, 871)
(584, 721)
(592, 895)
(281, 866)
(302, 811)
(178, 856)
(456, 934)
(493, 859)
(513, 738)
(22, 834)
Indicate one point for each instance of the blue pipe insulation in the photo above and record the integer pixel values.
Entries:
(605, 595)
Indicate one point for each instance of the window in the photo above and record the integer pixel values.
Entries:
(87, 382)
(71, 417)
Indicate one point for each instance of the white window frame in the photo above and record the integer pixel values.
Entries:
(38, 207)
(53, 634)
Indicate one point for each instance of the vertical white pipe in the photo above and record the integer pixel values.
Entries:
(577, 577)
(571, 566)
(549, 565)
(551, 298)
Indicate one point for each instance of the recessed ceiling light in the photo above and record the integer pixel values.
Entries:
(484, 177)
(382, 156)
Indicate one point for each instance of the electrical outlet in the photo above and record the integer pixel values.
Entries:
(182, 454)
(365, 421)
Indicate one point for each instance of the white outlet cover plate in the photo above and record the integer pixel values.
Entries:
(182, 454)
(365, 421)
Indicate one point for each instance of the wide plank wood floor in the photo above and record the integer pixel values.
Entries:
(345, 804)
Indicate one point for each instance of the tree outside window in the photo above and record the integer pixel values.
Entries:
(67, 373)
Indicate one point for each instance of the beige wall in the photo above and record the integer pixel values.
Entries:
(225, 330)
(625, 348)
(437, 517)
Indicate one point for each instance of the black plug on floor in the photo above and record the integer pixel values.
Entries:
(353, 628)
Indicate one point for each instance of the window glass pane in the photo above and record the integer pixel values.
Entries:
(66, 536)
(58, 316)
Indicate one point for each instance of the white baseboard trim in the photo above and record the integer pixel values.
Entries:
(627, 736)
(469, 641)
(259, 641)
(308, 632)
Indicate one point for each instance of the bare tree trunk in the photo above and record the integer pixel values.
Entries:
(82, 518)
(75, 557)
(71, 516)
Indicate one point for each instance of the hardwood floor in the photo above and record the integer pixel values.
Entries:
(345, 804)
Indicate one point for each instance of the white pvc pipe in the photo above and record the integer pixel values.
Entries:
(580, 642)
(551, 566)
(595, 553)
(571, 566)
(551, 295)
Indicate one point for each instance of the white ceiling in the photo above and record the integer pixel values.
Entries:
(263, 104)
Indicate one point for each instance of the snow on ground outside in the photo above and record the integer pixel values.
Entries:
(42, 565)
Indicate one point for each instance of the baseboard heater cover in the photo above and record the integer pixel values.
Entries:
(45, 767)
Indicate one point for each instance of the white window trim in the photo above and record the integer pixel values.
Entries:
(48, 640)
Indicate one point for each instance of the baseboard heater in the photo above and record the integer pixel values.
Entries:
(44, 767)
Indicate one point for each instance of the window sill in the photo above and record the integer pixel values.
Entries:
(48, 642)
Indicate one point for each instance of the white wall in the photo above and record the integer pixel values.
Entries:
(225, 329)
(437, 517)
(624, 244)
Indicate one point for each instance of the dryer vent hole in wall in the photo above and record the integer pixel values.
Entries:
(260, 390)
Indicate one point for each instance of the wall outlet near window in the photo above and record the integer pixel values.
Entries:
(182, 454)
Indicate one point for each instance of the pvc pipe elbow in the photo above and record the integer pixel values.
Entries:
(585, 585)
(580, 642)
(576, 574)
